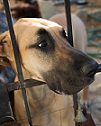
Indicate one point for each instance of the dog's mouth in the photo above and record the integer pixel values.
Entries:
(70, 82)
(79, 88)
(74, 87)
(71, 85)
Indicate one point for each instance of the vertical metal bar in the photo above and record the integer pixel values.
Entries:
(70, 39)
(68, 19)
(18, 65)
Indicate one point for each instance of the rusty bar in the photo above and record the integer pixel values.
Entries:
(18, 65)
(68, 21)
(27, 84)
(70, 39)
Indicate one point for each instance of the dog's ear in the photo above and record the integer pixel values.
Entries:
(4, 62)
(6, 49)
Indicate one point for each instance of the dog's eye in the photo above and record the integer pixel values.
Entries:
(64, 33)
(42, 44)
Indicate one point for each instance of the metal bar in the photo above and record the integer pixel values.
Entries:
(68, 19)
(10, 25)
(27, 84)
(5, 108)
(70, 39)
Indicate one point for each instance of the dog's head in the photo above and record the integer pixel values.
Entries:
(46, 54)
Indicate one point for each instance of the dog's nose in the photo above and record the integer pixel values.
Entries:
(90, 68)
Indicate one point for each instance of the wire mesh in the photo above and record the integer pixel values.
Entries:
(92, 107)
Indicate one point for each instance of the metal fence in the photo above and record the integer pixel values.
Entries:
(89, 110)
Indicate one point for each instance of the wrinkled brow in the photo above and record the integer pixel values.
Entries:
(43, 32)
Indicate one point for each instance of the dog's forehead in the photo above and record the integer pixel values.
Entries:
(38, 22)
(29, 27)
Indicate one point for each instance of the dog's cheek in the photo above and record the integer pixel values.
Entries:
(8, 52)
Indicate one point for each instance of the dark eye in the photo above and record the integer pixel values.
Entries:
(42, 44)
(65, 33)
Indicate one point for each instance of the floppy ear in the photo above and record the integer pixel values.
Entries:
(6, 49)
(4, 62)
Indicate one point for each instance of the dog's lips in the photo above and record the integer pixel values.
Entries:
(76, 87)
(66, 92)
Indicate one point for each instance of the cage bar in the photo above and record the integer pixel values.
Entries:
(70, 39)
(17, 59)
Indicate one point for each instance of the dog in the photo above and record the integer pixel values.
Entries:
(46, 55)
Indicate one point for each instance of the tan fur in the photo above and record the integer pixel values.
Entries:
(37, 65)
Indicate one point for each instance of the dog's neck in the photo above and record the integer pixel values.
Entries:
(26, 74)
(41, 97)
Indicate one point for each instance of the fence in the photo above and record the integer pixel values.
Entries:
(91, 108)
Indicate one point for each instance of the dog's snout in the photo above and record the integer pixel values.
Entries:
(90, 68)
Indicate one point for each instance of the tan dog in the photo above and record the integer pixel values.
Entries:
(46, 55)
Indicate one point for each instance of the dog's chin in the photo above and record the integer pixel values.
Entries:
(66, 92)
(75, 88)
